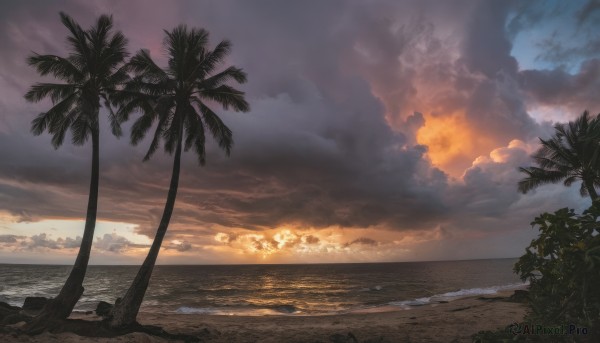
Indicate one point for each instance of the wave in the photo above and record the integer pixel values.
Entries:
(372, 289)
(462, 293)
(196, 310)
(239, 311)
(390, 306)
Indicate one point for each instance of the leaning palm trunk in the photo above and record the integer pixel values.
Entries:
(174, 99)
(126, 310)
(62, 306)
(92, 71)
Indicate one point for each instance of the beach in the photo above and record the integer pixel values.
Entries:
(454, 321)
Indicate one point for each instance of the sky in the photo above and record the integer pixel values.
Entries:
(378, 131)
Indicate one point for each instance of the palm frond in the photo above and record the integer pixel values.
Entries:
(156, 138)
(130, 102)
(80, 129)
(210, 60)
(219, 79)
(162, 111)
(537, 177)
(143, 65)
(570, 180)
(571, 154)
(141, 126)
(59, 133)
(54, 117)
(177, 93)
(219, 130)
(56, 92)
(185, 47)
(227, 97)
(93, 71)
(114, 83)
(78, 41)
(113, 118)
(195, 136)
(59, 67)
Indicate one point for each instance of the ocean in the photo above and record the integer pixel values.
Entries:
(309, 289)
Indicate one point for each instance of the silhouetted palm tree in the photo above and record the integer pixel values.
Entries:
(177, 98)
(570, 155)
(91, 73)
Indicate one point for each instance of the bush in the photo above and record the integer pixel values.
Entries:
(563, 268)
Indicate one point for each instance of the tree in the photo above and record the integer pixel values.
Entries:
(570, 155)
(177, 99)
(91, 73)
(563, 267)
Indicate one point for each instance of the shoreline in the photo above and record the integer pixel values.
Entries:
(455, 321)
(290, 310)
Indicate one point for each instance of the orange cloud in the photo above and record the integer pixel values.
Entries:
(452, 143)
(331, 244)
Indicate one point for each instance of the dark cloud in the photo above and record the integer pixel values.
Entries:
(490, 184)
(41, 241)
(263, 244)
(555, 51)
(332, 136)
(586, 13)
(487, 48)
(558, 87)
(115, 243)
(495, 106)
(9, 238)
(310, 239)
(333, 159)
(181, 247)
(70, 243)
(498, 109)
(362, 241)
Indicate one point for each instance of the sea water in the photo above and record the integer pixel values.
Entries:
(299, 289)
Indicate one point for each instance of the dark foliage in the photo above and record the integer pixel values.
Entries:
(563, 268)
(572, 154)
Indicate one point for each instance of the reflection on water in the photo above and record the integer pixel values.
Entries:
(269, 289)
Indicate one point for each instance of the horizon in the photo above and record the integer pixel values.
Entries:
(383, 131)
(263, 264)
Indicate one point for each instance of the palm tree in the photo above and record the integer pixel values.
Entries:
(91, 73)
(570, 155)
(178, 100)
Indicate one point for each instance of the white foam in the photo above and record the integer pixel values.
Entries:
(463, 293)
(230, 311)
(371, 289)
(195, 310)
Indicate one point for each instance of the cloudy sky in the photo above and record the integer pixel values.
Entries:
(379, 131)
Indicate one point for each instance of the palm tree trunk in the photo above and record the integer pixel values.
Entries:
(589, 184)
(126, 310)
(62, 306)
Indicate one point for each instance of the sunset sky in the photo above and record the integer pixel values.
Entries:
(378, 131)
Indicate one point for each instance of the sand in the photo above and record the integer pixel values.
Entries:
(454, 321)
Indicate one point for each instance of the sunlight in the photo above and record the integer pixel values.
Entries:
(452, 145)
(284, 237)
(447, 138)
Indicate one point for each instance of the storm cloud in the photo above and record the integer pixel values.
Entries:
(403, 116)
